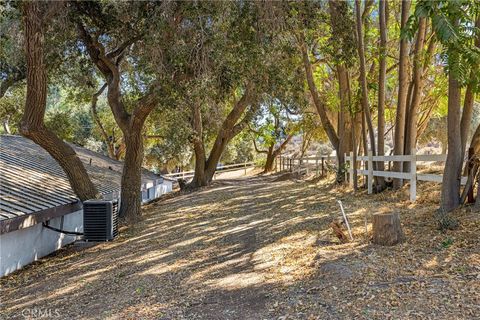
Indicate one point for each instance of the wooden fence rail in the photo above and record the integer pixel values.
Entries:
(227, 168)
(412, 176)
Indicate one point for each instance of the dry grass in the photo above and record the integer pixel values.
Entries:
(258, 249)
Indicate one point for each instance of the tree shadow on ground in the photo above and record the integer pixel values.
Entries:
(243, 249)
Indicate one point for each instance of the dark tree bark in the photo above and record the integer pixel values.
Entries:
(399, 139)
(32, 124)
(131, 124)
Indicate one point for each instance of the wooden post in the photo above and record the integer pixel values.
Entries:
(307, 166)
(316, 166)
(370, 172)
(470, 198)
(413, 175)
(350, 168)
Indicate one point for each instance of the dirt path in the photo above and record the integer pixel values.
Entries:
(258, 249)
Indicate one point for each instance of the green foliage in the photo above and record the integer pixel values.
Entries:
(454, 26)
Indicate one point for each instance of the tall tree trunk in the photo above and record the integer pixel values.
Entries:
(416, 95)
(399, 139)
(453, 165)
(382, 74)
(345, 123)
(363, 76)
(32, 125)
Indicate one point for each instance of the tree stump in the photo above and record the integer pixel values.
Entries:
(387, 230)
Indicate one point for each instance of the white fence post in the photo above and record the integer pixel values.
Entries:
(350, 168)
(370, 172)
(413, 175)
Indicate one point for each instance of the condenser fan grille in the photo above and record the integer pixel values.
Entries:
(100, 220)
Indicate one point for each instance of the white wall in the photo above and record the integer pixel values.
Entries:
(21, 247)
(151, 192)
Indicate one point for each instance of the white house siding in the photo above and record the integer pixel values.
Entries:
(21, 247)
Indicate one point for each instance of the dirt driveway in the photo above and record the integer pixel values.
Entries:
(254, 248)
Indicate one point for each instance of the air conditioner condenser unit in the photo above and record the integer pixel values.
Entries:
(100, 220)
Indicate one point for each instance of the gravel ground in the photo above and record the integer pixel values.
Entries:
(260, 248)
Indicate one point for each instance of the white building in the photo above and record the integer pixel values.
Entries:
(35, 190)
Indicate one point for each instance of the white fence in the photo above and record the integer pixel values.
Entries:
(227, 168)
(412, 176)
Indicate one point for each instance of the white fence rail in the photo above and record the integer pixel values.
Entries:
(306, 164)
(412, 176)
(221, 169)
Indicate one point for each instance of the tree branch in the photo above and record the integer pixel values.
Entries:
(256, 148)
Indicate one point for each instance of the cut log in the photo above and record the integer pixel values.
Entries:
(387, 230)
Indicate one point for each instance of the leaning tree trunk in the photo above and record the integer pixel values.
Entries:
(131, 193)
(270, 160)
(31, 125)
